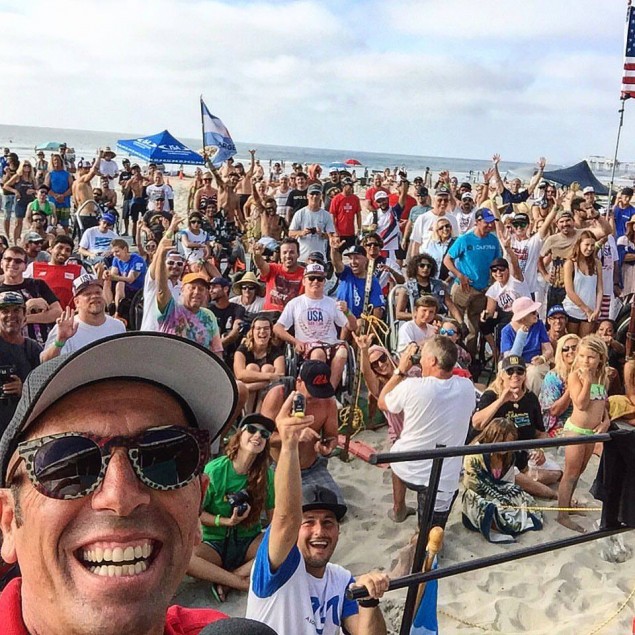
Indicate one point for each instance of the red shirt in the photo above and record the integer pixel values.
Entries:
(370, 194)
(178, 620)
(282, 286)
(60, 280)
(344, 210)
(393, 199)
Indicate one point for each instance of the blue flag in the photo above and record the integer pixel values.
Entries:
(216, 135)
(425, 621)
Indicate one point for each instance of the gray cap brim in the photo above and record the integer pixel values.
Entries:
(192, 372)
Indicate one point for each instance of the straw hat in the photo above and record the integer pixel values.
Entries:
(107, 150)
(249, 278)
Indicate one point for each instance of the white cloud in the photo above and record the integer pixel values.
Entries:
(457, 78)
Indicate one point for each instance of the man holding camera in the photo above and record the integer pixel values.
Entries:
(19, 355)
(312, 225)
(294, 587)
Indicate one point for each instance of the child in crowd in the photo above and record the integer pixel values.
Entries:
(587, 383)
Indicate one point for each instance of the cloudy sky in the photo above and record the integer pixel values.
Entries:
(446, 78)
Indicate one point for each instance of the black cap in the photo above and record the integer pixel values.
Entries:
(513, 361)
(316, 376)
(255, 418)
(466, 186)
(355, 250)
(422, 191)
(499, 262)
(317, 497)
(316, 255)
(237, 626)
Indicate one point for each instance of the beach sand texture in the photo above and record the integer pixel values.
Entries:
(562, 592)
(572, 590)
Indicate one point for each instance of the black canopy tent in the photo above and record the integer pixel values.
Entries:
(581, 173)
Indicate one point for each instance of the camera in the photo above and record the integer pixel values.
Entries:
(238, 501)
(415, 358)
(298, 406)
(6, 374)
(313, 230)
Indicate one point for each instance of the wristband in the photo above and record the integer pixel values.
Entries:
(369, 603)
(217, 520)
(58, 344)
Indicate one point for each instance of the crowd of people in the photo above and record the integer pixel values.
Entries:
(268, 291)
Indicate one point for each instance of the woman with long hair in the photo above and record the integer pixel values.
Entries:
(554, 397)
(421, 280)
(492, 501)
(583, 285)
(23, 186)
(259, 359)
(437, 245)
(240, 490)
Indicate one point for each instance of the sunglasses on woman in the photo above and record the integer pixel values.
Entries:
(72, 465)
(252, 429)
(380, 360)
(448, 332)
(515, 371)
(572, 347)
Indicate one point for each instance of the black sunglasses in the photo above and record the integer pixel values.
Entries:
(571, 347)
(515, 371)
(424, 265)
(380, 360)
(373, 245)
(497, 269)
(252, 429)
(314, 278)
(520, 225)
(71, 465)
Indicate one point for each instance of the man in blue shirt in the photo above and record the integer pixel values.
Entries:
(128, 272)
(468, 259)
(514, 195)
(623, 211)
(352, 279)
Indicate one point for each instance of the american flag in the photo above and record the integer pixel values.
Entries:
(628, 80)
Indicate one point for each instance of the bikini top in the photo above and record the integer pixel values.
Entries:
(598, 392)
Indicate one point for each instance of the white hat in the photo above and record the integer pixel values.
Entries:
(589, 189)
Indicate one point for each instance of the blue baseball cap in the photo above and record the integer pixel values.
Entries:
(486, 215)
(108, 218)
(556, 309)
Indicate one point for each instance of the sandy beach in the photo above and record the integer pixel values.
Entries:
(572, 590)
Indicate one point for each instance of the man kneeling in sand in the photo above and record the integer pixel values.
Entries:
(320, 438)
(294, 588)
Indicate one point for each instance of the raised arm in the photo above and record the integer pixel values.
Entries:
(336, 257)
(261, 263)
(161, 269)
(497, 175)
(536, 178)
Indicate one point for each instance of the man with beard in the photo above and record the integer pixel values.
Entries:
(19, 355)
(284, 280)
(72, 332)
(293, 581)
(229, 316)
(58, 273)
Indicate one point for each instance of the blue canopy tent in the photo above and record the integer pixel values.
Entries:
(581, 173)
(161, 148)
(50, 146)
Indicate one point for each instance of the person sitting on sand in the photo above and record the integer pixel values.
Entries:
(232, 528)
(492, 500)
(588, 384)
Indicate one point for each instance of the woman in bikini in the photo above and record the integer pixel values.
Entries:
(587, 385)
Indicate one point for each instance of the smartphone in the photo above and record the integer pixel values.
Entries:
(298, 406)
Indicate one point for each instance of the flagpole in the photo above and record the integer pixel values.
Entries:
(203, 129)
(617, 145)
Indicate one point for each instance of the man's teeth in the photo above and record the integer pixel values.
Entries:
(319, 543)
(133, 559)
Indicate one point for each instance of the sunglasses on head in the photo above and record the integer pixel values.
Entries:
(380, 360)
(571, 347)
(448, 332)
(72, 465)
(252, 429)
(314, 278)
(515, 371)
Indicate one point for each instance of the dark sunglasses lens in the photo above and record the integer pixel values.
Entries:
(515, 371)
(381, 360)
(67, 467)
(168, 457)
(252, 429)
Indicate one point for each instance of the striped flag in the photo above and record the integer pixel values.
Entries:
(628, 80)
(216, 135)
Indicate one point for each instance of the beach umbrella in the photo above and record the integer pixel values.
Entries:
(49, 146)
(352, 162)
(338, 165)
(160, 148)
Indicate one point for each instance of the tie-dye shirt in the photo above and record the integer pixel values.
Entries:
(200, 327)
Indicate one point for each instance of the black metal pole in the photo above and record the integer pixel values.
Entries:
(485, 448)
(414, 579)
(617, 145)
(425, 524)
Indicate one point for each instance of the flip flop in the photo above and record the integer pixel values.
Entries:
(217, 596)
(402, 515)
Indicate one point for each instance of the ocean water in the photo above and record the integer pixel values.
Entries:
(23, 139)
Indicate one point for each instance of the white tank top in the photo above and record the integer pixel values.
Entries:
(585, 287)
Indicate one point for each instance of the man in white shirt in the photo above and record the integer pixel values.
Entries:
(420, 327)
(107, 167)
(436, 408)
(72, 332)
(95, 242)
(294, 587)
(425, 223)
(465, 213)
(175, 265)
(159, 190)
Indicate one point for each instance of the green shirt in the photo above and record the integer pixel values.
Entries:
(223, 480)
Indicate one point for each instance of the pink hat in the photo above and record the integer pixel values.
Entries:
(375, 352)
(522, 307)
